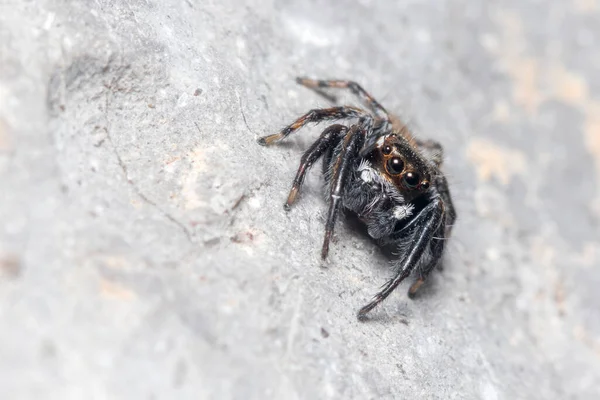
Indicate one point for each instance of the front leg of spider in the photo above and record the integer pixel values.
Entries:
(437, 248)
(424, 226)
(314, 116)
(328, 140)
(342, 169)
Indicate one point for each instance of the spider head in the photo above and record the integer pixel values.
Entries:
(400, 163)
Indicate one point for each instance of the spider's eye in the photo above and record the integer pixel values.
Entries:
(412, 179)
(386, 149)
(395, 165)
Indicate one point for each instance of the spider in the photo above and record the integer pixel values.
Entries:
(377, 170)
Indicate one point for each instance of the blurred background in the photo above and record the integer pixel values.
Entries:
(144, 251)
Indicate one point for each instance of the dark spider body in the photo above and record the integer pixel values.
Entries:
(391, 181)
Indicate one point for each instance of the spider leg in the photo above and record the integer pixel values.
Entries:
(444, 191)
(436, 153)
(355, 88)
(341, 171)
(432, 149)
(328, 139)
(429, 144)
(316, 115)
(427, 223)
(437, 249)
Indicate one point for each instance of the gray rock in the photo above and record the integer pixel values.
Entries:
(144, 251)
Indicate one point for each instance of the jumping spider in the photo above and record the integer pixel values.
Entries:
(390, 180)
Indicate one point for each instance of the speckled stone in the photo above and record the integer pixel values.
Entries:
(144, 250)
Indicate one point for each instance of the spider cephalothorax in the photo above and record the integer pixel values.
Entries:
(377, 170)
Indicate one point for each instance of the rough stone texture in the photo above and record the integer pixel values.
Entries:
(144, 251)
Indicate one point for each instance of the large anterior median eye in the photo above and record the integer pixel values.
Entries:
(412, 179)
(395, 165)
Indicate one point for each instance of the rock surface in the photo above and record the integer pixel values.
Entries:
(144, 251)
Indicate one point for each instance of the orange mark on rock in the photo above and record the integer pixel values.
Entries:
(567, 86)
(537, 81)
(10, 266)
(115, 262)
(592, 131)
(495, 161)
(522, 69)
(115, 290)
(534, 81)
(525, 72)
(586, 6)
(172, 160)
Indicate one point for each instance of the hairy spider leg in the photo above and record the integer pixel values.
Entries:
(316, 115)
(355, 88)
(434, 150)
(342, 170)
(328, 140)
(427, 223)
(439, 238)
(444, 191)
(383, 120)
(438, 243)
